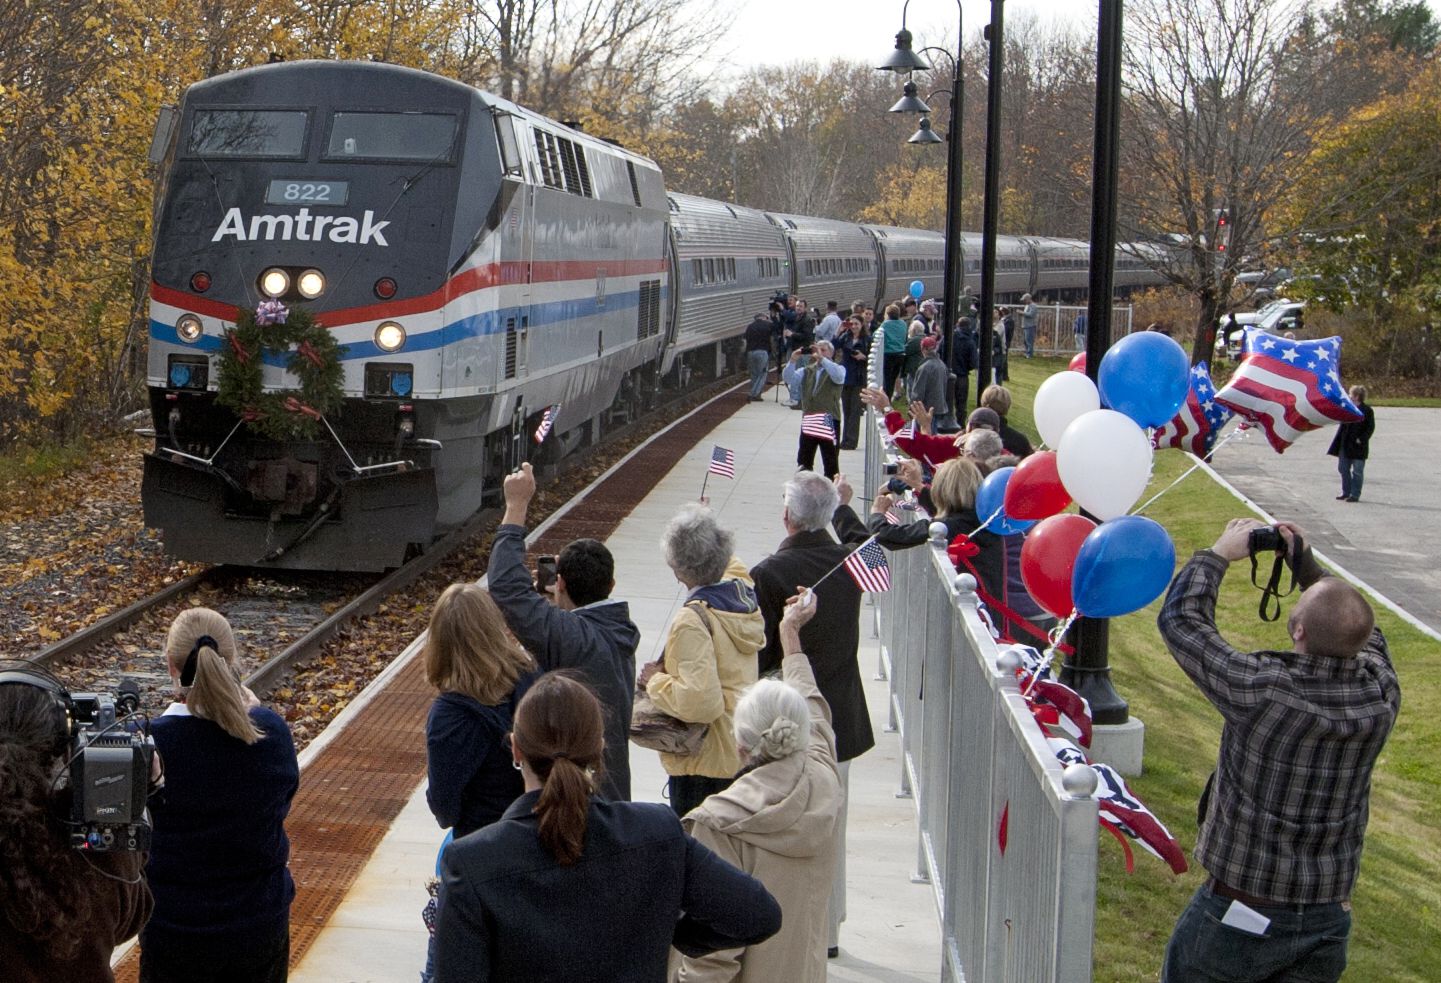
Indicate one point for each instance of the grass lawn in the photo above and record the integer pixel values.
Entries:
(1428, 402)
(1397, 903)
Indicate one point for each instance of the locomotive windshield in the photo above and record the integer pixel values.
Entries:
(391, 136)
(248, 133)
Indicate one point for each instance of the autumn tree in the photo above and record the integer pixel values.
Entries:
(1221, 103)
(1372, 210)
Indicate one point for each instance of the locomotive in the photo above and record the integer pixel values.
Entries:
(477, 264)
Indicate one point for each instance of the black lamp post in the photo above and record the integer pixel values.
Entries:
(904, 60)
(1089, 670)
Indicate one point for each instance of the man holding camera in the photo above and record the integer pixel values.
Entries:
(819, 386)
(1283, 817)
(584, 629)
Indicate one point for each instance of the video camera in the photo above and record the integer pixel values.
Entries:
(109, 773)
(108, 763)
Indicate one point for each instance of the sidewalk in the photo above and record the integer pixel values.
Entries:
(891, 935)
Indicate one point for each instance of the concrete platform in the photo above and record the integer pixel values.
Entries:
(891, 935)
(1391, 538)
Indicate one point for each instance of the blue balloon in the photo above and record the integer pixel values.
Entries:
(1123, 565)
(990, 505)
(917, 288)
(1145, 376)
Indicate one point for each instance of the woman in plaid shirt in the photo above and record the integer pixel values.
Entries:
(1282, 833)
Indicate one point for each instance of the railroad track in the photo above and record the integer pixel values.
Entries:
(283, 619)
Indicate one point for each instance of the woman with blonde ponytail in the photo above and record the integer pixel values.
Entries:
(570, 886)
(219, 851)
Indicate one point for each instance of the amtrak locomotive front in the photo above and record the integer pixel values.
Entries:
(394, 206)
(476, 263)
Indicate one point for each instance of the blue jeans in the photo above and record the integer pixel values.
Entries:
(1303, 944)
(1029, 331)
(1353, 473)
(758, 362)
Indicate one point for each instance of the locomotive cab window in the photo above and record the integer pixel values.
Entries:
(391, 136)
(248, 133)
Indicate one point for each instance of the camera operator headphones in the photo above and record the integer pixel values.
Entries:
(29, 674)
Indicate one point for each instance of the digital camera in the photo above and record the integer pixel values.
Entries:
(1266, 539)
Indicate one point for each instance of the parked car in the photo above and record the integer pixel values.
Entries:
(1277, 317)
(1263, 283)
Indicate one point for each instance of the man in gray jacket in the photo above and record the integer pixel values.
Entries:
(932, 379)
(582, 629)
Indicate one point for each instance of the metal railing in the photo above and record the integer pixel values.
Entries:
(1007, 837)
(1056, 329)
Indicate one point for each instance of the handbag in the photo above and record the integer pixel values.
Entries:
(653, 728)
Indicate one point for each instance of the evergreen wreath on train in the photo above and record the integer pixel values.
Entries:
(310, 353)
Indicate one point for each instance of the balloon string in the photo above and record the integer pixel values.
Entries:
(1000, 510)
(1236, 434)
(1049, 656)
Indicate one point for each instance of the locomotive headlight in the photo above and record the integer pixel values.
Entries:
(274, 282)
(311, 284)
(188, 328)
(389, 336)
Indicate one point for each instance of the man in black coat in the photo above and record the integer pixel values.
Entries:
(1351, 445)
(583, 629)
(758, 354)
(963, 362)
(806, 554)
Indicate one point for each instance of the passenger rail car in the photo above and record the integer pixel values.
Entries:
(478, 263)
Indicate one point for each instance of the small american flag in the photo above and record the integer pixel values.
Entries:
(908, 432)
(546, 423)
(818, 425)
(723, 461)
(868, 568)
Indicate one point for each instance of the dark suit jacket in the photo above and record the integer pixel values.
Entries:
(598, 641)
(509, 913)
(831, 639)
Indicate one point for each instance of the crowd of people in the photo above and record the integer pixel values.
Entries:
(742, 875)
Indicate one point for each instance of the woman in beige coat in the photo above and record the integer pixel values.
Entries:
(710, 653)
(777, 820)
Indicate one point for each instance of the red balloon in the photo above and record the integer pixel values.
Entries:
(1078, 362)
(1035, 490)
(1048, 557)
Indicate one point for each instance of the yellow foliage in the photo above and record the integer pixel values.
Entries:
(911, 194)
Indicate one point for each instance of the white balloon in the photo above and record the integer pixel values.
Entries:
(1062, 398)
(1104, 460)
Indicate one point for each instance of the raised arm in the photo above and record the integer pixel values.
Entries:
(796, 669)
(1226, 675)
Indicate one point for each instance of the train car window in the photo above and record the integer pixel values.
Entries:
(391, 136)
(710, 271)
(730, 269)
(510, 158)
(248, 133)
(697, 271)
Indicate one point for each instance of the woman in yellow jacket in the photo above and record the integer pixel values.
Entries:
(710, 653)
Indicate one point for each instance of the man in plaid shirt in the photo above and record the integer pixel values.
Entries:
(1281, 835)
